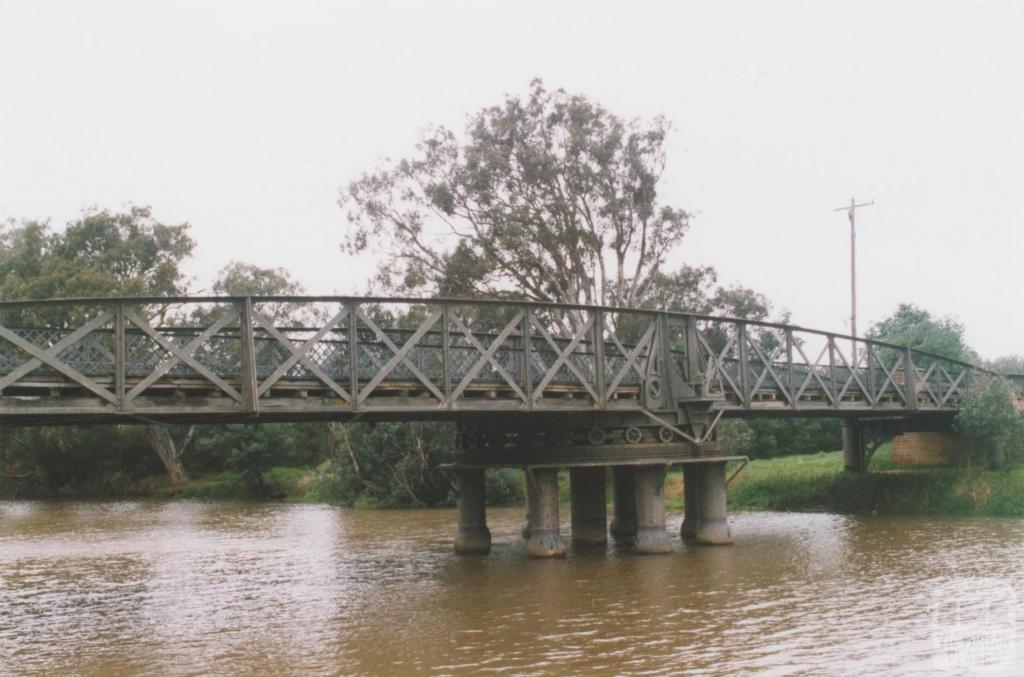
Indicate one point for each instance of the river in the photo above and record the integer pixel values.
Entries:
(182, 588)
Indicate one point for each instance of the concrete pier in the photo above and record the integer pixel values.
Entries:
(624, 524)
(713, 528)
(853, 447)
(651, 536)
(693, 476)
(531, 500)
(473, 536)
(545, 538)
(589, 512)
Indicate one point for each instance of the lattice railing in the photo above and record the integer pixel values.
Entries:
(751, 363)
(426, 354)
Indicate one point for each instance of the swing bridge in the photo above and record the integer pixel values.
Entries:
(532, 385)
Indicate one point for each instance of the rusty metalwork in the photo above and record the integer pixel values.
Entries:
(214, 359)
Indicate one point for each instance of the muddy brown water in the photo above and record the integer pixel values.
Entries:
(182, 588)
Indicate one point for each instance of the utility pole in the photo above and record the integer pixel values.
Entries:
(851, 211)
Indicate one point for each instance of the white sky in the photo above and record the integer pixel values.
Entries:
(245, 119)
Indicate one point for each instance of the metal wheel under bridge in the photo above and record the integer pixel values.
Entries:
(532, 385)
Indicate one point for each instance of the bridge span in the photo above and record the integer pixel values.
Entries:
(531, 385)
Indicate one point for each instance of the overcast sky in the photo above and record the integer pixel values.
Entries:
(245, 118)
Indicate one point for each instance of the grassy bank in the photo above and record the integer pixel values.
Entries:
(811, 482)
(817, 482)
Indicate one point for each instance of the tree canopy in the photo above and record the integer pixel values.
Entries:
(1008, 364)
(246, 279)
(549, 197)
(102, 253)
(917, 328)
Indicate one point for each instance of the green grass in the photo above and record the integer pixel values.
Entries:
(817, 482)
(810, 482)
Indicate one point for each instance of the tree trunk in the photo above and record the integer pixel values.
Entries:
(342, 433)
(335, 434)
(170, 450)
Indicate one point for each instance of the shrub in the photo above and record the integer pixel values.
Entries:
(390, 465)
(504, 486)
(764, 438)
(251, 450)
(737, 437)
(995, 428)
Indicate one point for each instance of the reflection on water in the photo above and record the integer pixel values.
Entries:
(195, 588)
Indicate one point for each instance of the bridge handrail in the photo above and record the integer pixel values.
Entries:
(167, 300)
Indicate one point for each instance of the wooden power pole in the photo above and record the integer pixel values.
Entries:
(851, 211)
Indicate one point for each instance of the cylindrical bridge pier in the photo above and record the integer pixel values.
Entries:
(473, 536)
(712, 525)
(544, 538)
(651, 536)
(639, 523)
(639, 456)
(854, 459)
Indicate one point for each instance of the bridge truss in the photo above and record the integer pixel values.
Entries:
(204, 359)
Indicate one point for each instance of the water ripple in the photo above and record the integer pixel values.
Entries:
(189, 588)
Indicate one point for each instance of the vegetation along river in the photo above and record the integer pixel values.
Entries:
(125, 588)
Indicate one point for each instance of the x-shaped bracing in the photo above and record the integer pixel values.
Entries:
(487, 355)
(182, 354)
(715, 367)
(812, 372)
(399, 355)
(768, 371)
(889, 377)
(923, 380)
(851, 378)
(300, 353)
(49, 357)
(562, 357)
(631, 358)
(953, 384)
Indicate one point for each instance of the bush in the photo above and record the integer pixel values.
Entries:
(995, 428)
(297, 445)
(737, 437)
(504, 486)
(251, 450)
(764, 438)
(77, 459)
(389, 465)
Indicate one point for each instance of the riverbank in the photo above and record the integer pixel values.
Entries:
(817, 482)
(280, 483)
(802, 483)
